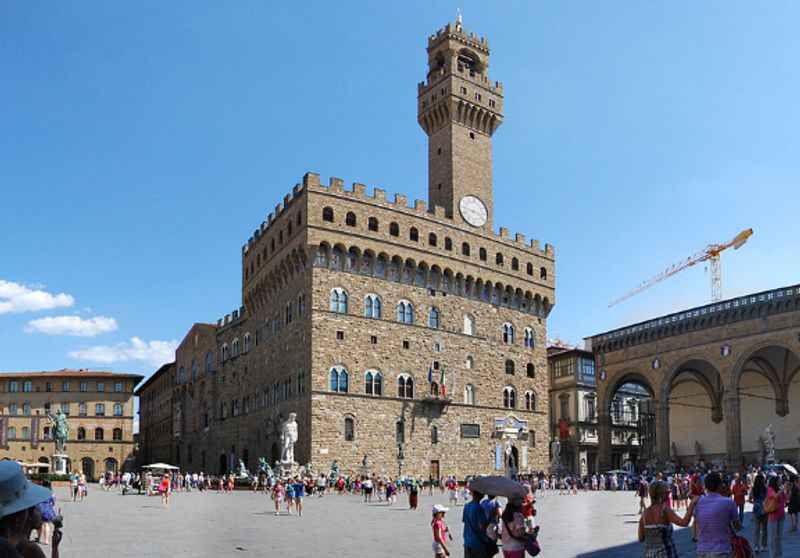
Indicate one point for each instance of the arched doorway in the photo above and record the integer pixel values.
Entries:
(692, 395)
(767, 383)
(627, 424)
(111, 465)
(87, 468)
(512, 462)
(223, 464)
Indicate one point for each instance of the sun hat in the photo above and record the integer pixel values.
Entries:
(438, 508)
(17, 493)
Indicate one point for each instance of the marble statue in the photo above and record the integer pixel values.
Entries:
(698, 451)
(365, 461)
(334, 470)
(288, 438)
(60, 430)
(243, 472)
(769, 444)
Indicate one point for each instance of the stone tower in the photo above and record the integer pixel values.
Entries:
(460, 108)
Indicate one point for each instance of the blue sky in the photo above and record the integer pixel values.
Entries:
(142, 145)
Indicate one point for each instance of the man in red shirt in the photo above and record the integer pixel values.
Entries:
(739, 491)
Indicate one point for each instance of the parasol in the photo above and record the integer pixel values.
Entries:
(789, 468)
(161, 466)
(498, 486)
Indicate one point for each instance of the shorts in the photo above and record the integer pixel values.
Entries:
(437, 548)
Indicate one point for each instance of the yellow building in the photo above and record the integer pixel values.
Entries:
(99, 409)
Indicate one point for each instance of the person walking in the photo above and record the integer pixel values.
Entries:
(512, 530)
(714, 516)
(655, 525)
(794, 502)
(739, 491)
(165, 488)
(775, 505)
(758, 494)
(299, 493)
(440, 532)
(476, 543)
(277, 496)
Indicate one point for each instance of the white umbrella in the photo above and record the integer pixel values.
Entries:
(789, 468)
(164, 466)
(498, 486)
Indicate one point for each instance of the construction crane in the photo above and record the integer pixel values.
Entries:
(709, 254)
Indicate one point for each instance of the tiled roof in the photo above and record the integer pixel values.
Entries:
(70, 373)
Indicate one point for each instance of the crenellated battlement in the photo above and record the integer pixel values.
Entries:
(358, 191)
(296, 192)
(456, 31)
(230, 319)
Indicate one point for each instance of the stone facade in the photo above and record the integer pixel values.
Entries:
(729, 366)
(99, 409)
(329, 284)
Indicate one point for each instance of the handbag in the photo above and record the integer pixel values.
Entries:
(740, 547)
(771, 505)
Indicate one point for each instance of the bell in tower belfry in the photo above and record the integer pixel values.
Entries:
(460, 108)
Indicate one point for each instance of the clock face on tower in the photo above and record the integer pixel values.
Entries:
(473, 211)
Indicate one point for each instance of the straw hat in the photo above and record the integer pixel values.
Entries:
(16, 491)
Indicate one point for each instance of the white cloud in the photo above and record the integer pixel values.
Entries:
(72, 325)
(154, 353)
(15, 297)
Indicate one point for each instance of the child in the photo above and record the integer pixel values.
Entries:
(439, 531)
(277, 496)
(289, 497)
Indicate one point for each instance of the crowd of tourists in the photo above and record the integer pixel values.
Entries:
(714, 504)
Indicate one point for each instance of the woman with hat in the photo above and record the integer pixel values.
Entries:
(19, 514)
(440, 531)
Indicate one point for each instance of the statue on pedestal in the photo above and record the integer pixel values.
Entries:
(60, 430)
(334, 470)
(288, 439)
(243, 472)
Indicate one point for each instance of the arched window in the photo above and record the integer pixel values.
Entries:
(373, 383)
(372, 306)
(469, 394)
(394, 229)
(432, 239)
(339, 379)
(327, 214)
(528, 338)
(235, 346)
(209, 362)
(542, 273)
(482, 254)
(248, 339)
(530, 401)
(413, 234)
(350, 219)
(469, 325)
(508, 333)
(98, 434)
(349, 429)
(117, 409)
(530, 370)
(515, 264)
(498, 259)
(509, 366)
(372, 224)
(405, 386)
(433, 318)
(301, 304)
(117, 434)
(448, 244)
(464, 249)
(434, 434)
(509, 397)
(530, 268)
(469, 364)
(339, 300)
(225, 352)
(405, 312)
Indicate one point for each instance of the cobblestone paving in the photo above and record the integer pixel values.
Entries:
(594, 525)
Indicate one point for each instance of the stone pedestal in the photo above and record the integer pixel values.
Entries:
(286, 471)
(59, 464)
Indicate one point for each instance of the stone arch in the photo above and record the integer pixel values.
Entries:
(779, 376)
(700, 370)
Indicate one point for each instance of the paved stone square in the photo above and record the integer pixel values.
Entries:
(589, 525)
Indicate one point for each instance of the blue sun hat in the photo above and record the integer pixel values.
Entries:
(17, 493)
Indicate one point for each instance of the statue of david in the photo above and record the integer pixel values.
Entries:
(288, 438)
